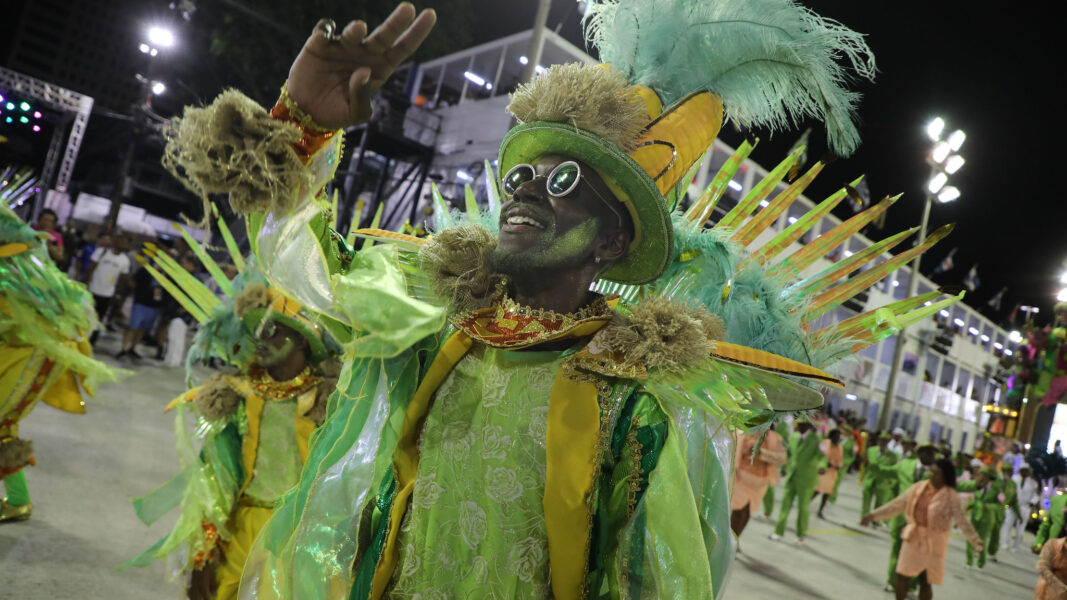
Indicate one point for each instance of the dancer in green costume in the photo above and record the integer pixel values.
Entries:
(879, 476)
(45, 355)
(802, 473)
(581, 351)
(983, 509)
(1052, 525)
(1008, 498)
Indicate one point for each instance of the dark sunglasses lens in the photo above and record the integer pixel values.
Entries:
(563, 179)
(518, 175)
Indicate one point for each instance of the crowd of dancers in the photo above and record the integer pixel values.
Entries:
(920, 490)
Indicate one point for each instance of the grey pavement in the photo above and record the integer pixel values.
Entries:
(89, 466)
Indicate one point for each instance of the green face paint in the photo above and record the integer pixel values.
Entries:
(268, 355)
(549, 252)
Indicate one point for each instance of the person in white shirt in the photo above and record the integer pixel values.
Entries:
(108, 270)
(897, 443)
(1029, 494)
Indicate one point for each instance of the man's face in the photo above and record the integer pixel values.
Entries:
(122, 244)
(104, 241)
(46, 222)
(276, 343)
(541, 232)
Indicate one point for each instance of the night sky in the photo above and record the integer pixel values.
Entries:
(988, 72)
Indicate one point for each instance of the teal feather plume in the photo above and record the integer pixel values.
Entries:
(773, 63)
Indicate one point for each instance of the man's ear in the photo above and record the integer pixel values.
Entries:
(613, 245)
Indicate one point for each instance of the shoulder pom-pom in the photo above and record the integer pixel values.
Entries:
(665, 335)
(457, 263)
(216, 400)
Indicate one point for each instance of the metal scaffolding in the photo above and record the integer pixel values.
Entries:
(73, 106)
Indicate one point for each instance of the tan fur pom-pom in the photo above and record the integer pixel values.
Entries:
(457, 262)
(665, 335)
(216, 400)
(253, 296)
(15, 454)
(595, 98)
(235, 147)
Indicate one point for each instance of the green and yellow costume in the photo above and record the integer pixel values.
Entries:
(253, 432)
(461, 458)
(44, 353)
(1052, 525)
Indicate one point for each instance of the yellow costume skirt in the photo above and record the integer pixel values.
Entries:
(245, 525)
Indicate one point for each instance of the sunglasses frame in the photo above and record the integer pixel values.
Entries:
(548, 178)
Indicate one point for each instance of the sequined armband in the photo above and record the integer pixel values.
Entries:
(315, 137)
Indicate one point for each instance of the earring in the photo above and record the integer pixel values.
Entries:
(596, 260)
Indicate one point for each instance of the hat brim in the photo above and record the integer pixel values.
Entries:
(254, 317)
(653, 234)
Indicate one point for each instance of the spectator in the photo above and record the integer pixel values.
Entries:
(110, 267)
(84, 259)
(147, 298)
(46, 223)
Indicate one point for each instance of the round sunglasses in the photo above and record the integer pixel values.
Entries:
(560, 182)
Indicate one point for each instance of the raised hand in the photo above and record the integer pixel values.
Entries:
(334, 76)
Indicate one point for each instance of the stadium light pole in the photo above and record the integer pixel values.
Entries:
(944, 160)
(156, 38)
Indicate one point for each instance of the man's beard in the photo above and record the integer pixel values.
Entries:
(549, 255)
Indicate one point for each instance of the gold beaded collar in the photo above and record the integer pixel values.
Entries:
(265, 386)
(512, 326)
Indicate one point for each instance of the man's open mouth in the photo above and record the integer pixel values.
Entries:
(520, 221)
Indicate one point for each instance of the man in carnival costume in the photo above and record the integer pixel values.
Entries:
(254, 425)
(499, 428)
(44, 354)
(879, 474)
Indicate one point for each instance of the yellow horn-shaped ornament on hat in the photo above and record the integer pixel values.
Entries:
(676, 137)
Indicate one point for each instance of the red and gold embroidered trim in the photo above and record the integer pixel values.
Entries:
(266, 387)
(509, 325)
(315, 137)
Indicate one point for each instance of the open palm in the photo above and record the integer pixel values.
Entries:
(335, 76)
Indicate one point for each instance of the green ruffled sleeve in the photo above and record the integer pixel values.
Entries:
(206, 489)
(652, 537)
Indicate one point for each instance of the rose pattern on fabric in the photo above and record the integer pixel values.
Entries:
(524, 558)
(494, 442)
(502, 484)
(471, 524)
(476, 510)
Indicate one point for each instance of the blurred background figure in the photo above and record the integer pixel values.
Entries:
(834, 457)
(108, 271)
(46, 223)
(930, 507)
(756, 468)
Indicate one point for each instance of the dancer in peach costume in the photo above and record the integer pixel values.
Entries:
(1052, 566)
(753, 474)
(931, 507)
(835, 455)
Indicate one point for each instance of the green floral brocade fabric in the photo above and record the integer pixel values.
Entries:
(476, 526)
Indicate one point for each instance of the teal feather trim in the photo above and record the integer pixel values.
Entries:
(712, 270)
(773, 63)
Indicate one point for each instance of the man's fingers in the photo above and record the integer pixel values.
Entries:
(383, 38)
(410, 41)
(359, 92)
(354, 33)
